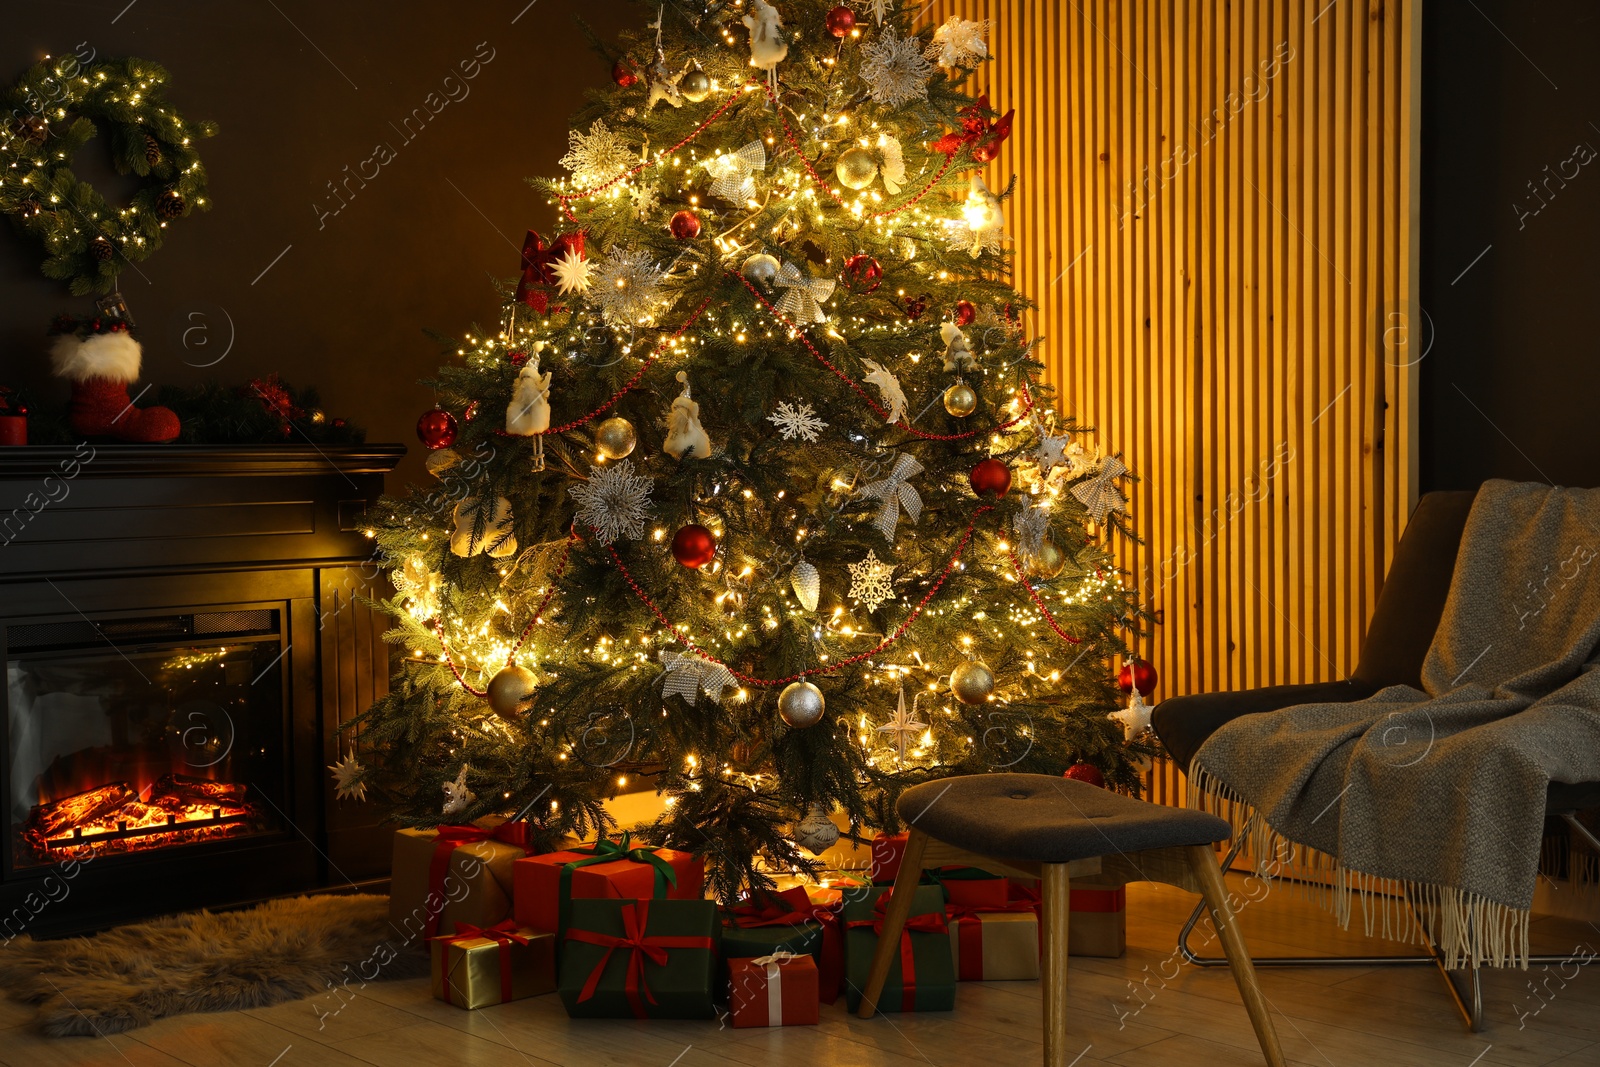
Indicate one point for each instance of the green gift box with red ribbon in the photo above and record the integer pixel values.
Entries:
(479, 966)
(639, 959)
(922, 975)
(543, 886)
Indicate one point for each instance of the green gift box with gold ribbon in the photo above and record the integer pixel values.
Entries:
(640, 959)
(922, 975)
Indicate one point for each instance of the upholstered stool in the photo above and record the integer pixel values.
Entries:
(1036, 826)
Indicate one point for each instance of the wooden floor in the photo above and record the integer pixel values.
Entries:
(1327, 1017)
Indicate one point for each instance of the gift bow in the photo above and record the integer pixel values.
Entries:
(805, 296)
(605, 851)
(514, 833)
(502, 934)
(895, 494)
(984, 136)
(635, 919)
(688, 675)
(734, 172)
(932, 922)
(537, 275)
(1097, 494)
(774, 963)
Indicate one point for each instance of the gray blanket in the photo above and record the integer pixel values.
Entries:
(1440, 795)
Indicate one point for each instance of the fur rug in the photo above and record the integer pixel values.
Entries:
(207, 961)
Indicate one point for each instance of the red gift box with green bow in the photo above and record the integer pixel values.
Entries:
(544, 886)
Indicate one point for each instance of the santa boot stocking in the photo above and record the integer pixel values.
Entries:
(100, 367)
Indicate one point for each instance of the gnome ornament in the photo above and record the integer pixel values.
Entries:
(101, 364)
(528, 414)
(957, 349)
(767, 46)
(686, 438)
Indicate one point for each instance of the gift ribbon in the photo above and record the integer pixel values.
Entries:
(774, 968)
(503, 934)
(450, 838)
(793, 907)
(635, 919)
(932, 922)
(968, 943)
(605, 851)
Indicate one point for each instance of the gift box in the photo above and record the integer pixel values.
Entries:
(642, 959)
(887, 851)
(544, 885)
(995, 946)
(473, 967)
(454, 874)
(798, 921)
(922, 974)
(974, 888)
(1098, 923)
(775, 990)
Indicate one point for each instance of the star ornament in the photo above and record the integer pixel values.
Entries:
(573, 273)
(347, 783)
(733, 173)
(902, 727)
(870, 581)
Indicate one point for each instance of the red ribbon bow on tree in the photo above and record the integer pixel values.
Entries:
(502, 934)
(930, 923)
(984, 136)
(537, 275)
(635, 918)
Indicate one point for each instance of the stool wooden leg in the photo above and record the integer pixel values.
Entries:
(1203, 861)
(895, 915)
(1055, 911)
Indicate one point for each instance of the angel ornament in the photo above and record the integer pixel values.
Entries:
(957, 349)
(528, 414)
(767, 46)
(686, 438)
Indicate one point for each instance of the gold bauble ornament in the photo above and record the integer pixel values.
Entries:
(856, 168)
(760, 269)
(695, 86)
(960, 400)
(511, 692)
(972, 682)
(1048, 561)
(801, 705)
(615, 438)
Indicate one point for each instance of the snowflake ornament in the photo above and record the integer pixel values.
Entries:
(347, 783)
(646, 198)
(903, 726)
(889, 391)
(614, 501)
(1030, 524)
(894, 69)
(597, 156)
(627, 287)
(870, 583)
(573, 273)
(457, 797)
(797, 420)
(733, 173)
(959, 43)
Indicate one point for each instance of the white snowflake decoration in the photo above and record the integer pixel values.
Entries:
(902, 727)
(733, 173)
(614, 501)
(879, 9)
(870, 583)
(347, 783)
(457, 797)
(627, 286)
(1030, 524)
(573, 273)
(894, 69)
(889, 391)
(797, 420)
(645, 200)
(597, 156)
(959, 43)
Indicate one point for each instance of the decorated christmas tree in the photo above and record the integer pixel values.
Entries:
(755, 492)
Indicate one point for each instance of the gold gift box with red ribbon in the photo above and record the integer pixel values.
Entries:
(451, 875)
(993, 937)
(475, 967)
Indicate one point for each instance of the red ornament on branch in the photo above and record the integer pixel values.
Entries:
(1138, 673)
(984, 136)
(693, 546)
(624, 75)
(991, 477)
(1085, 772)
(861, 275)
(538, 274)
(436, 429)
(915, 306)
(965, 313)
(840, 21)
(685, 225)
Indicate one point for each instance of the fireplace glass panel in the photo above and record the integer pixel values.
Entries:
(130, 735)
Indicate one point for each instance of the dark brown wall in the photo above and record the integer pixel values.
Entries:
(301, 90)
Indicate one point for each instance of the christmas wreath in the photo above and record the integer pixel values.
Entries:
(55, 109)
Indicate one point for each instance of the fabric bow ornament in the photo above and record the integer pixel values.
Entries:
(1098, 494)
(688, 676)
(733, 173)
(538, 273)
(984, 136)
(805, 295)
(895, 494)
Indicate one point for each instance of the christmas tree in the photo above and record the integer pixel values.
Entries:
(778, 514)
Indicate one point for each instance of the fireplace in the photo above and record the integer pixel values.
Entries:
(182, 636)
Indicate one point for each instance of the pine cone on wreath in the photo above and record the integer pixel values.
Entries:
(101, 247)
(170, 204)
(152, 150)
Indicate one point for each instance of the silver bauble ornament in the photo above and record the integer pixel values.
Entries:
(972, 682)
(800, 705)
(960, 400)
(695, 86)
(817, 832)
(615, 438)
(807, 584)
(511, 692)
(856, 168)
(760, 269)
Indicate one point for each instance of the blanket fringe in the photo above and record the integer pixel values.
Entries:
(1467, 928)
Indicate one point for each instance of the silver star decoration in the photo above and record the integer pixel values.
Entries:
(457, 797)
(797, 420)
(614, 501)
(959, 43)
(903, 725)
(1135, 718)
(1030, 524)
(894, 68)
(347, 783)
(895, 494)
(889, 391)
(1098, 494)
(664, 86)
(1051, 452)
(733, 173)
(804, 295)
(597, 156)
(870, 581)
(688, 676)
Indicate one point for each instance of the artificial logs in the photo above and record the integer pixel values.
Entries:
(725, 590)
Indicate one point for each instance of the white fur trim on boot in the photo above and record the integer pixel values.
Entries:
(114, 356)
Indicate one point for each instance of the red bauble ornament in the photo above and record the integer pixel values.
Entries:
(840, 21)
(915, 306)
(991, 478)
(965, 313)
(623, 74)
(986, 151)
(1085, 772)
(693, 546)
(1138, 673)
(685, 225)
(861, 274)
(436, 429)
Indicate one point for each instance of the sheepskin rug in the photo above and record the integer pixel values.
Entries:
(283, 950)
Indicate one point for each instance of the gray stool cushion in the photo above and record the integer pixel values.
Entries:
(1048, 820)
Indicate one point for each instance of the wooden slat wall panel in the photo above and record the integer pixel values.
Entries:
(1216, 215)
